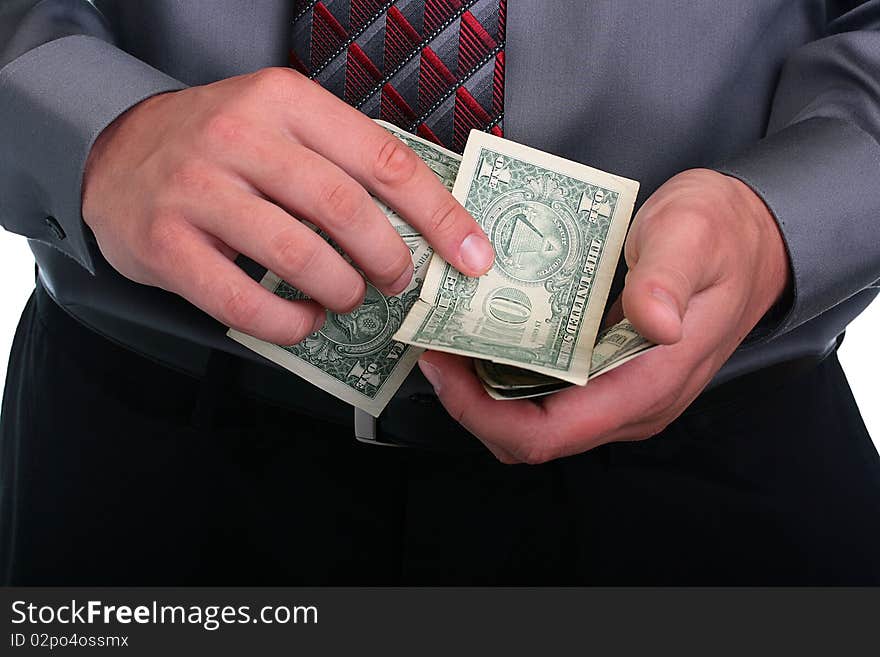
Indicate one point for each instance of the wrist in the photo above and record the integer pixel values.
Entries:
(99, 161)
(771, 274)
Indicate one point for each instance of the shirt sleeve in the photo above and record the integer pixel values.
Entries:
(63, 81)
(818, 168)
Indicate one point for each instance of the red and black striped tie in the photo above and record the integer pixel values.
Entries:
(433, 67)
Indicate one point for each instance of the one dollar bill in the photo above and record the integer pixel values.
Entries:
(616, 345)
(557, 228)
(354, 356)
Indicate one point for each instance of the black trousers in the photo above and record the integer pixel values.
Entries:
(112, 475)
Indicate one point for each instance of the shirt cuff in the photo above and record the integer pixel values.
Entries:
(819, 179)
(54, 102)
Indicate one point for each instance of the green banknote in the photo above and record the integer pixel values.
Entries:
(557, 228)
(616, 345)
(355, 356)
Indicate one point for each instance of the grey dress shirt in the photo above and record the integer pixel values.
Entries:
(783, 94)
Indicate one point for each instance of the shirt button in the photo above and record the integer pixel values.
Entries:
(55, 227)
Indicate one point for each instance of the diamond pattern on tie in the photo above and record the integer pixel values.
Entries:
(434, 67)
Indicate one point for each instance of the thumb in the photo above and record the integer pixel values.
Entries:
(665, 272)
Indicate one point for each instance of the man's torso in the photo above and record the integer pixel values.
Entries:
(643, 90)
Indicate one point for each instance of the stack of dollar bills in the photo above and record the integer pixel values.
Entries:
(531, 323)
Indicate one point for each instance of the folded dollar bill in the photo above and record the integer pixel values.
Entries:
(557, 228)
(616, 345)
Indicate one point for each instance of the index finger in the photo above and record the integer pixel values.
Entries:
(391, 170)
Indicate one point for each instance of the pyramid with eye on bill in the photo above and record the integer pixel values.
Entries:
(525, 239)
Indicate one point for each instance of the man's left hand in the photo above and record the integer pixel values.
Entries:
(706, 261)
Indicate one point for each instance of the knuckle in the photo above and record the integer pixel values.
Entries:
(536, 448)
(223, 129)
(274, 81)
(396, 163)
(293, 254)
(165, 232)
(659, 221)
(534, 454)
(700, 224)
(653, 428)
(671, 275)
(661, 426)
(505, 459)
(300, 329)
(682, 218)
(444, 219)
(342, 205)
(393, 267)
(190, 177)
(355, 296)
(693, 223)
(239, 309)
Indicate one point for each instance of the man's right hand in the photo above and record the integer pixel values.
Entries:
(181, 183)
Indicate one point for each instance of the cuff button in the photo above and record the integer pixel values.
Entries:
(55, 227)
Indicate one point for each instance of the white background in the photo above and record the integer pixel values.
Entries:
(860, 353)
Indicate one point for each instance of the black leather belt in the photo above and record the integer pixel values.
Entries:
(414, 418)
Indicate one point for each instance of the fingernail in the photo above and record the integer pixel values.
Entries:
(476, 253)
(401, 283)
(432, 374)
(666, 299)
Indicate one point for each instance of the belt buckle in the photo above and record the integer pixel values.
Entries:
(366, 429)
